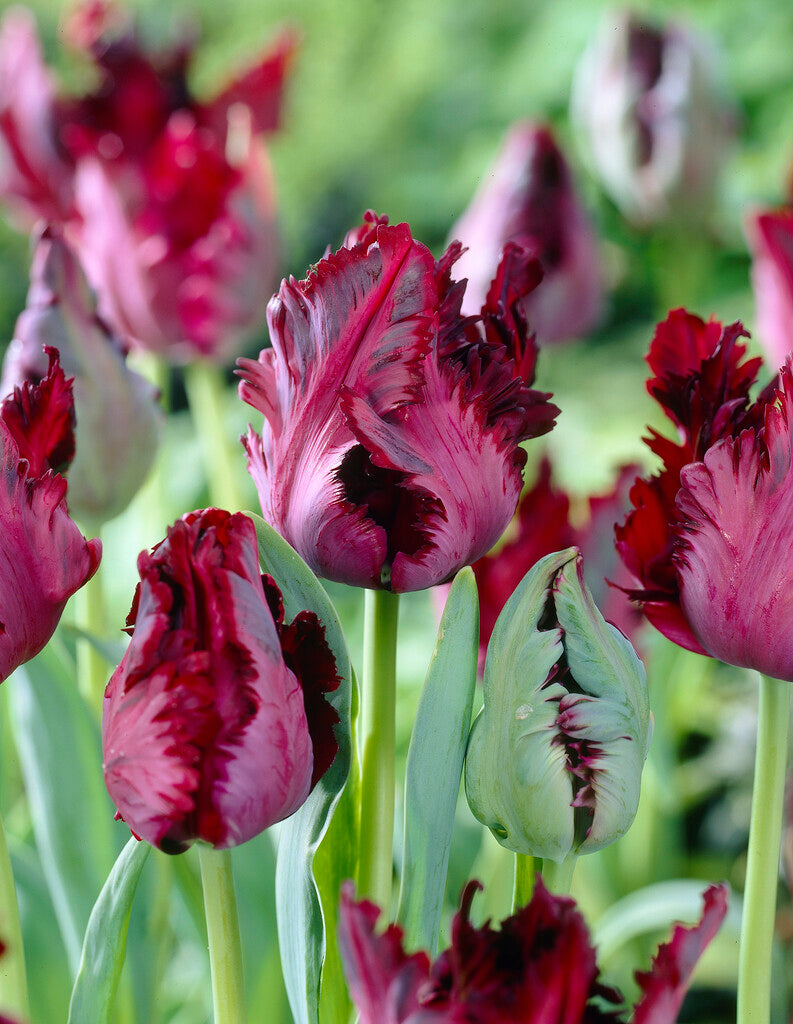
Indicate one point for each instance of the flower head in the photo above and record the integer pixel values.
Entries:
(539, 968)
(172, 204)
(117, 416)
(215, 724)
(390, 455)
(555, 757)
(44, 557)
(528, 197)
(653, 113)
(771, 241)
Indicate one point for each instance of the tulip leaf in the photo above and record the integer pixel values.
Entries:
(302, 907)
(105, 941)
(61, 759)
(435, 764)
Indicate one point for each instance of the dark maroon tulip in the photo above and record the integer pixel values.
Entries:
(44, 557)
(540, 968)
(528, 197)
(215, 724)
(390, 453)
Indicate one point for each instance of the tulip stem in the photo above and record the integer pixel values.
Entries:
(204, 386)
(762, 865)
(559, 877)
(378, 747)
(223, 933)
(526, 868)
(13, 980)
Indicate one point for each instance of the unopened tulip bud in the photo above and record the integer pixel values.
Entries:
(117, 414)
(654, 116)
(555, 756)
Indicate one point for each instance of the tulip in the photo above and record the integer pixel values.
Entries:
(542, 525)
(215, 724)
(117, 416)
(35, 171)
(174, 215)
(540, 967)
(389, 456)
(45, 558)
(555, 756)
(528, 197)
(771, 241)
(654, 117)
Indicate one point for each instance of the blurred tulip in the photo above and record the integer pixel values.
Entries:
(390, 454)
(528, 197)
(117, 416)
(706, 541)
(555, 757)
(539, 968)
(174, 212)
(771, 241)
(542, 525)
(35, 171)
(649, 104)
(44, 558)
(215, 724)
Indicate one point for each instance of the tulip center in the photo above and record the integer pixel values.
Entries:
(400, 508)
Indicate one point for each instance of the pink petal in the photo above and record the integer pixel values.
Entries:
(664, 986)
(771, 241)
(44, 558)
(735, 581)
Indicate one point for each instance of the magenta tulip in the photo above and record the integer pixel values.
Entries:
(170, 198)
(528, 197)
(44, 558)
(215, 724)
(540, 968)
(390, 454)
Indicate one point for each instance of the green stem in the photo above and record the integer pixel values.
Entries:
(13, 980)
(526, 868)
(204, 387)
(223, 932)
(762, 865)
(559, 877)
(92, 669)
(378, 746)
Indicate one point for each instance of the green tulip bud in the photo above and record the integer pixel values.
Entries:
(555, 756)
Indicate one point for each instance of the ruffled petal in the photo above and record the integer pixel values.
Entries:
(732, 550)
(44, 558)
(664, 986)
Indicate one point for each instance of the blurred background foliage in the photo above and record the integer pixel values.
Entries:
(401, 107)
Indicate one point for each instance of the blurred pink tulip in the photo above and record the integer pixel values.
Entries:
(771, 242)
(540, 968)
(215, 724)
(44, 558)
(528, 197)
(117, 414)
(390, 454)
(174, 210)
(655, 119)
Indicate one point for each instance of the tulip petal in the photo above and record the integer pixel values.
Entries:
(732, 547)
(666, 983)
(771, 240)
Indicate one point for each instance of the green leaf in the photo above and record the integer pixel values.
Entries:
(61, 758)
(301, 923)
(435, 764)
(106, 939)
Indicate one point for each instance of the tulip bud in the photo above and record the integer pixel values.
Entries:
(116, 409)
(654, 117)
(555, 756)
(528, 196)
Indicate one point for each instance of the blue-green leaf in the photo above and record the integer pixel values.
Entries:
(61, 759)
(301, 924)
(105, 941)
(435, 764)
